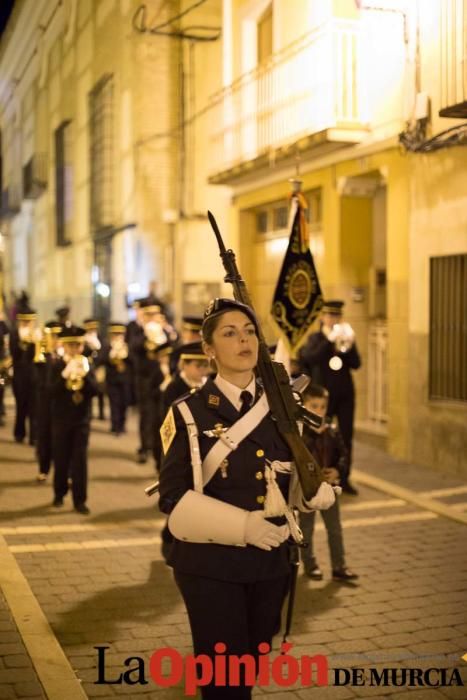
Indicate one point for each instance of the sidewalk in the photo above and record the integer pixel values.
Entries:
(72, 582)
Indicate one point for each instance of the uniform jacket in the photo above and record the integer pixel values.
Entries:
(177, 388)
(244, 487)
(22, 355)
(64, 409)
(146, 363)
(314, 360)
(112, 374)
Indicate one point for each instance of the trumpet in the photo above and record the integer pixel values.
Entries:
(118, 354)
(344, 337)
(40, 345)
(74, 374)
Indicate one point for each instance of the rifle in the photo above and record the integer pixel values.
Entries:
(284, 408)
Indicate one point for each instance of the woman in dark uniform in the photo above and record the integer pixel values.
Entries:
(228, 515)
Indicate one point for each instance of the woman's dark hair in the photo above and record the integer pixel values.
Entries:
(216, 309)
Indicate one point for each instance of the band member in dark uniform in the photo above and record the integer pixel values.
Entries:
(92, 348)
(43, 361)
(5, 365)
(22, 348)
(146, 351)
(228, 509)
(134, 329)
(114, 357)
(63, 315)
(328, 358)
(71, 385)
(193, 366)
(190, 333)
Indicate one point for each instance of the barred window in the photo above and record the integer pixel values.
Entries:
(101, 154)
(448, 327)
(63, 184)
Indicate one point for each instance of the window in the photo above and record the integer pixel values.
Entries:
(314, 213)
(63, 184)
(448, 313)
(101, 154)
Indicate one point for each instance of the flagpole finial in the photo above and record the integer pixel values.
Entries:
(296, 184)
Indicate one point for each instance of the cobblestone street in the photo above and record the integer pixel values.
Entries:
(101, 580)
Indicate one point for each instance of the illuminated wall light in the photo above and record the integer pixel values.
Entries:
(103, 290)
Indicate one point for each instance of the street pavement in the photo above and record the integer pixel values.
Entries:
(71, 582)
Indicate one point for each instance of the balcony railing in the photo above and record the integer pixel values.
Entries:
(310, 86)
(453, 59)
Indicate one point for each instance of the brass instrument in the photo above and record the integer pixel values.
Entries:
(118, 354)
(75, 381)
(40, 345)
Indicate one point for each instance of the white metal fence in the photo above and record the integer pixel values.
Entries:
(311, 85)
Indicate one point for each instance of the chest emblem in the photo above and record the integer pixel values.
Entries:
(216, 431)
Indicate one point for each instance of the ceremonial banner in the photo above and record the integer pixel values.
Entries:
(297, 299)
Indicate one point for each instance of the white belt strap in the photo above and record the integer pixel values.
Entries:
(231, 439)
(194, 445)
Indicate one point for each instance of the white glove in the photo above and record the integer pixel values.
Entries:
(335, 332)
(92, 340)
(324, 499)
(154, 333)
(263, 534)
(37, 335)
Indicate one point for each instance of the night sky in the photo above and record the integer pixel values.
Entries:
(6, 7)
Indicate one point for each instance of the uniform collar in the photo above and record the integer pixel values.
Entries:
(232, 392)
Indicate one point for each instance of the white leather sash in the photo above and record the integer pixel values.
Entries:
(231, 439)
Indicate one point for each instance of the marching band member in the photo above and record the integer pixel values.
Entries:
(5, 364)
(190, 333)
(224, 483)
(22, 348)
(43, 360)
(92, 348)
(328, 358)
(114, 357)
(193, 366)
(147, 350)
(71, 385)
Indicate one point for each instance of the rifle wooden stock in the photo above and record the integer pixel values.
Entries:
(275, 381)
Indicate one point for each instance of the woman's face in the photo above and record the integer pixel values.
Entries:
(234, 343)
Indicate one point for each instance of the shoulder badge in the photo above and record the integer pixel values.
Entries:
(213, 400)
(168, 431)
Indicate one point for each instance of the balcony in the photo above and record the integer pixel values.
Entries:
(35, 176)
(453, 63)
(307, 99)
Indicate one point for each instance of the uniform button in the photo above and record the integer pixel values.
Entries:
(260, 453)
(259, 475)
(259, 499)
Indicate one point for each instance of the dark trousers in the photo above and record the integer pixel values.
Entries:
(118, 400)
(70, 451)
(44, 434)
(242, 615)
(100, 404)
(24, 398)
(2, 398)
(343, 407)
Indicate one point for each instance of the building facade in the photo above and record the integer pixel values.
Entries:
(141, 120)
